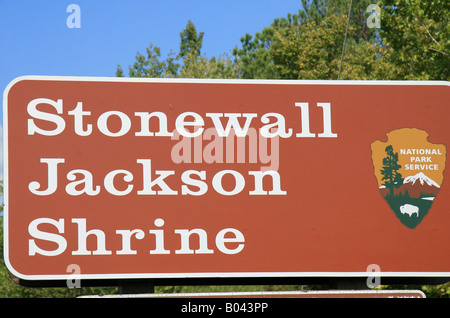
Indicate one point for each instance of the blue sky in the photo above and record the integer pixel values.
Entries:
(35, 38)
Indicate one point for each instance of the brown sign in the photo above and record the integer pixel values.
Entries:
(151, 178)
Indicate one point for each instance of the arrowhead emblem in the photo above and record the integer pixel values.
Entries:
(409, 171)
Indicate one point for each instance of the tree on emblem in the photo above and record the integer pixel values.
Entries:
(391, 177)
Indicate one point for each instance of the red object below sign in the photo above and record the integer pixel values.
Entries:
(152, 178)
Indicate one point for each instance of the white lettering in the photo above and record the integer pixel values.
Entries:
(228, 241)
(33, 249)
(232, 123)
(159, 238)
(202, 238)
(269, 131)
(305, 121)
(59, 121)
(109, 182)
(148, 183)
(71, 188)
(326, 121)
(186, 178)
(125, 121)
(276, 183)
(145, 125)
(239, 182)
(82, 240)
(126, 241)
(78, 114)
(221, 240)
(192, 185)
(52, 177)
(181, 122)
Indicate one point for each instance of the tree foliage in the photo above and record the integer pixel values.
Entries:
(418, 32)
(188, 63)
(391, 176)
(312, 50)
(316, 31)
(191, 41)
(411, 43)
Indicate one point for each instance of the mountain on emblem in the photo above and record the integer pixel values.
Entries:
(422, 179)
(409, 172)
(415, 186)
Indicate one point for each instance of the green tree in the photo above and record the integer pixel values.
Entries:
(151, 65)
(318, 10)
(413, 42)
(393, 178)
(201, 67)
(188, 63)
(419, 34)
(253, 59)
(312, 50)
(191, 41)
(256, 59)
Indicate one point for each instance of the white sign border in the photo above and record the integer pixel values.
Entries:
(210, 275)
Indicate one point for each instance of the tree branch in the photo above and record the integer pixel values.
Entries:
(432, 38)
(441, 52)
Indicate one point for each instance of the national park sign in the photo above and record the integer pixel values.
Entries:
(171, 178)
(410, 172)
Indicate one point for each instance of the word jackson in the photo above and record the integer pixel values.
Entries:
(193, 181)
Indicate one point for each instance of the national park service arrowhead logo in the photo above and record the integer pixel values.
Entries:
(410, 171)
